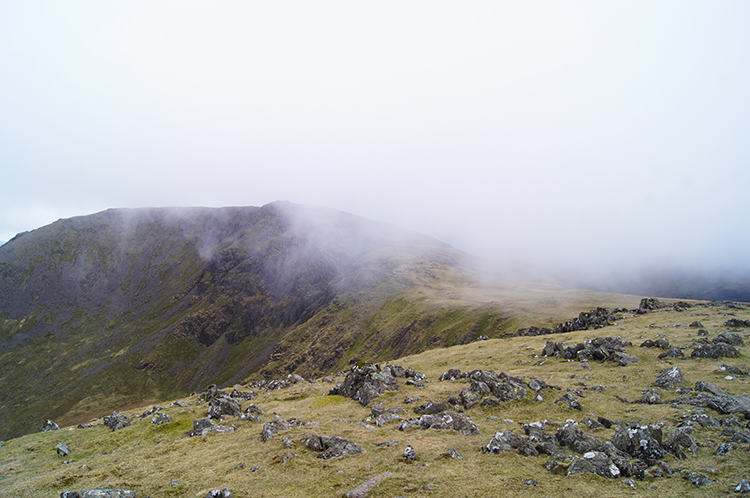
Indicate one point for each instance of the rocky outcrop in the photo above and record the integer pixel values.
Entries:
(99, 493)
(594, 319)
(669, 378)
(715, 351)
(444, 420)
(736, 322)
(364, 384)
(116, 421)
(332, 446)
(599, 348)
(273, 427)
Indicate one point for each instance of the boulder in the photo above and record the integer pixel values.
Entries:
(273, 427)
(443, 420)
(451, 374)
(679, 439)
(623, 359)
(724, 449)
(742, 487)
(432, 407)
(594, 462)
(732, 338)
(651, 304)
(62, 450)
(715, 351)
(99, 493)
(49, 426)
(699, 480)
(364, 384)
(161, 418)
(640, 441)
(363, 489)
(338, 446)
(669, 378)
(709, 387)
(410, 454)
(223, 405)
(736, 322)
(116, 421)
(571, 436)
(672, 353)
(219, 493)
(504, 441)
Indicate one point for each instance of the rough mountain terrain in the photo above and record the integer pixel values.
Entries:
(652, 400)
(129, 306)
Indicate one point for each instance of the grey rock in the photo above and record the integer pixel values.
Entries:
(709, 387)
(672, 353)
(715, 351)
(272, 428)
(223, 405)
(742, 487)
(452, 453)
(696, 324)
(432, 407)
(410, 454)
(62, 450)
(49, 426)
(732, 338)
(99, 493)
(116, 421)
(623, 359)
(337, 446)
(736, 322)
(363, 489)
(219, 493)
(571, 436)
(699, 480)
(161, 418)
(724, 449)
(504, 441)
(364, 384)
(594, 462)
(669, 378)
(681, 438)
(640, 441)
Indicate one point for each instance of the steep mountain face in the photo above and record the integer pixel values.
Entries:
(126, 306)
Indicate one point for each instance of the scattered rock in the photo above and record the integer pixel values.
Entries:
(742, 487)
(699, 480)
(116, 421)
(715, 351)
(651, 304)
(531, 482)
(364, 384)
(696, 324)
(364, 488)
(219, 493)
(223, 405)
(724, 449)
(452, 453)
(49, 426)
(623, 359)
(672, 353)
(161, 418)
(504, 441)
(410, 455)
(273, 427)
(571, 436)
(640, 441)
(669, 378)
(709, 387)
(444, 420)
(62, 450)
(594, 462)
(99, 493)
(432, 407)
(732, 338)
(735, 322)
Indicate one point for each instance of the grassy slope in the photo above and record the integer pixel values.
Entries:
(147, 457)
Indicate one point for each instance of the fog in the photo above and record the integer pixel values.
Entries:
(583, 138)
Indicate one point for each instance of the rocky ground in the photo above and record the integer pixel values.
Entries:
(643, 401)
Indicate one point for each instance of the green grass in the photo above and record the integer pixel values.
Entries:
(147, 457)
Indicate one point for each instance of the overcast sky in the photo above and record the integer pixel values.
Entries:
(600, 134)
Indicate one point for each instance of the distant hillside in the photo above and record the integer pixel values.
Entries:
(675, 283)
(129, 306)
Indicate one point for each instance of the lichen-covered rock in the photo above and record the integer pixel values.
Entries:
(640, 441)
(669, 378)
(337, 446)
(99, 493)
(594, 462)
(116, 421)
(504, 441)
(161, 418)
(732, 338)
(571, 436)
(219, 493)
(273, 427)
(49, 426)
(223, 405)
(699, 480)
(432, 407)
(443, 420)
(715, 351)
(623, 359)
(364, 384)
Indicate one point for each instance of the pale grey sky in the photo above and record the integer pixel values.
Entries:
(557, 133)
